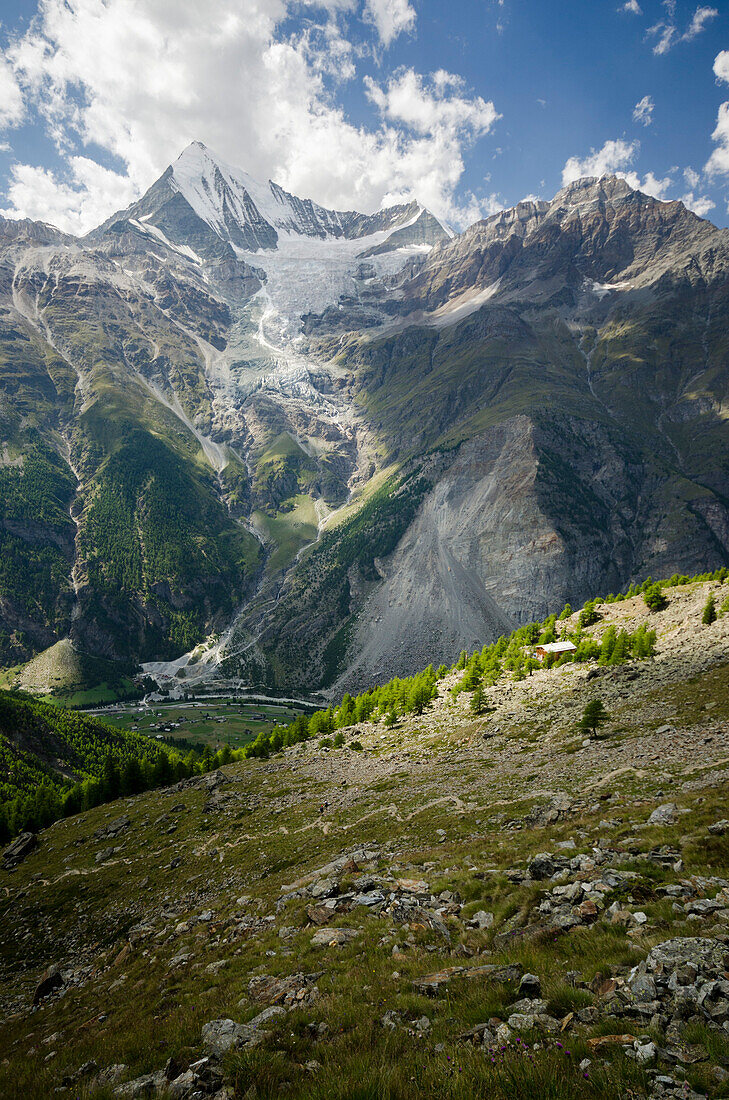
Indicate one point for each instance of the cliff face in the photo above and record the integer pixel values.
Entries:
(349, 442)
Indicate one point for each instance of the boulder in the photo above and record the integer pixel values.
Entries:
(147, 1085)
(481, 919)
(333, 937)
(543, 865)
(18, 849)
(108, 832)
(664, 815)
(51, 980)
(220, 1036)
(530, 986)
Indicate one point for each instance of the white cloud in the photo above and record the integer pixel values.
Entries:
(700, 204)
(74, 205)
(666, 31)
(433, 107)
(11, 98)
(718, 162)
(721, 66)
(633, 7)
(143, 78)
(614, 156)
(698, 21)
(643, 110)
(390, 17)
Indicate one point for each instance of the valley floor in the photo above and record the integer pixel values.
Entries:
(465, 907)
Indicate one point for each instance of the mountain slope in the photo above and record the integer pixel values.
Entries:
(573, 429)
(359, 921)
(345, 443)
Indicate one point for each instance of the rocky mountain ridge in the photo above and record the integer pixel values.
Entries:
(340, 405)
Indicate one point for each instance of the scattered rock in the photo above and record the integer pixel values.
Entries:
(481, 919)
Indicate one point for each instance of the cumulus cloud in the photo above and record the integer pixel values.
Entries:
(74, 205)
(11, 98)
(141, 80)
(616, 157)
(390, 17)
(633, 7)
(666, 31)
(643, 110)
(699, 204)
(610, 160)
(718, 162)
(433, 106)
(721, 66)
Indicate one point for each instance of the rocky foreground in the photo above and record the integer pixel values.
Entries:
(467, 906)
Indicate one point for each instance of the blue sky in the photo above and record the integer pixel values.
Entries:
(470, 105)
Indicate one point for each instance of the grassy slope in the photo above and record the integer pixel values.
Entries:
(129, 1005)
(36, 489)
(40, 742)
(162, 560)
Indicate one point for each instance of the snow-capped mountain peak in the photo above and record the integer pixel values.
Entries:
(204, 204)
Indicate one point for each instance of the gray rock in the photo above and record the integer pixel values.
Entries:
(373, 900)
(530, 986)
(108, 832)
(267, 1014)
(18, 849)
(147, 1085)
(324, 888)
(542, 865)
(51, 980)
(481, 919)
(664, 815)
(522, 1021)
(219, 1036)
(333, 937)
(646, 1053)
(182, 1086)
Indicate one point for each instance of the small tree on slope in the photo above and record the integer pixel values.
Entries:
(593, 716)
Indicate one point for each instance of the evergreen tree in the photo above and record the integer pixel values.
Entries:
(112, 779)
(654, 598)
(593, 716)
(607, 645)
(589, 614)
(478, 702)
(620, 649)
(709, 614)
(132, 779)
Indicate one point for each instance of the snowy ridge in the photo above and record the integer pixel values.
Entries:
(214, 189)
(236, 206)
